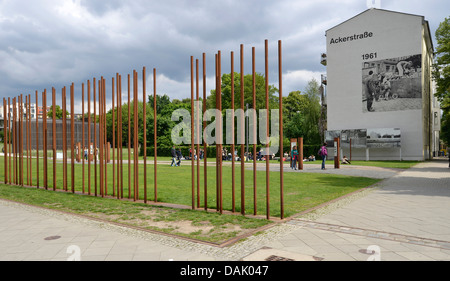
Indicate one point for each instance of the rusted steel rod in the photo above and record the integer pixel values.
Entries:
(242, 132)
(54, 135)
(37, 142)
(205, 183)
(135, 136)
(29, 140)
(64, 105)
(218, 154)
(155, 135)
(72, 136)
(192, 134)
(44, 112)
(233, 207)
(89, 134)
(27, 137)
(254, 129)
(280, 87)
(144, 131)
(14, 141)
(21, 139)
(83, 146)
(95, 150)
(197, 130)
(5, 142)
(105, 142)
(219, 75)
(105, 146)
(267, 129)
(100, 122)
(129, 140)
(120, 134)
(113, 141)
(119, 142)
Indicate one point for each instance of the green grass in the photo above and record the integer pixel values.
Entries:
(137, 214)
(301, 190)
(380, 164)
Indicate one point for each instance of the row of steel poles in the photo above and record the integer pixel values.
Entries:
(96, 142)
(13, 149)
(195, 184)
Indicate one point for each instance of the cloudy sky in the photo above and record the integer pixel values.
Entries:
(54, 43)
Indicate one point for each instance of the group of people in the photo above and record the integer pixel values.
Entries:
(176, 156)
(294, 156)
(323, 153)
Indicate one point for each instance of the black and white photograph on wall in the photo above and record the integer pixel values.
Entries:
(384, 138)
(356, 138)
(330, 135)
(392, 84)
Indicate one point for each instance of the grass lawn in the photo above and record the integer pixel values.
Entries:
(302, 191)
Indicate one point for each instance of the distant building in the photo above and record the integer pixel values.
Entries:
(379, 84)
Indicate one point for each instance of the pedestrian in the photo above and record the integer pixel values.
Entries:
(174, 156)
(323, 152)
(179, 156)
(294, 157)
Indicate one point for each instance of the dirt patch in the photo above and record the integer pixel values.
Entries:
(154, 220)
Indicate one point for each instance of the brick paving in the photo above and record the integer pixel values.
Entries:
(404, 218)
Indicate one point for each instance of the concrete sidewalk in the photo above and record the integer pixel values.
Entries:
(405, 217)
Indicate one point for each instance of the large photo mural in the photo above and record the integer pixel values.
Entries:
(392, 84)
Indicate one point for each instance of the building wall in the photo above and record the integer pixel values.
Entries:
(378, 40)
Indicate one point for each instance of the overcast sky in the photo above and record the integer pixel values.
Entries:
(53, 43)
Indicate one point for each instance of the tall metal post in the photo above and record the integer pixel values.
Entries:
(44, 112)
(144, 77)
(83, 146)
(232, 135)
(89, 134)
(205, 152)
(37, 143)
(192, 133)
(280, 88)
(254, 130)
(72, 121)
(54, 135)
(242, 132)
(267, 130)
(155, 134)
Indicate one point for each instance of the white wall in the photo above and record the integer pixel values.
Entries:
(394, 35)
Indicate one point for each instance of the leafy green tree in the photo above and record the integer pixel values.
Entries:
(260, 90)
(441, 75)
(441, 67)
(59, 112)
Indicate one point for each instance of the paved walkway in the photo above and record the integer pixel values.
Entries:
(405, 217)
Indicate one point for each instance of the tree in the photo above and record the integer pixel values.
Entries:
(59, 112)
(441, 75)
(301, 114)
(441, 67)
(260, 90)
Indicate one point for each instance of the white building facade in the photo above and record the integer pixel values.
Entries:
(380, 97)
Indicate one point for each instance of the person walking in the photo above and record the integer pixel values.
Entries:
(323, 152)
(294, 156)
(179, 156)
(174, 156)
